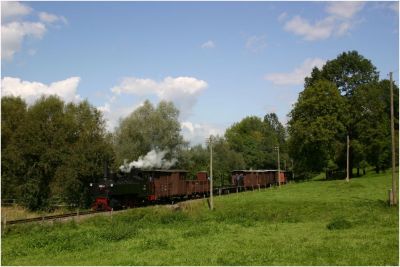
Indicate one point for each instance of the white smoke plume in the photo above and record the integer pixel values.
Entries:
(153, 159)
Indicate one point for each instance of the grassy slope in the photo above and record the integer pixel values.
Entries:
(286, 226)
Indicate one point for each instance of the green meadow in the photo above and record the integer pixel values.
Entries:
(309, 223)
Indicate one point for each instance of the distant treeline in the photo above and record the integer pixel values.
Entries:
(52, 150)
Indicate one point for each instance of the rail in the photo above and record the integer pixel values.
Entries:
(51, 217)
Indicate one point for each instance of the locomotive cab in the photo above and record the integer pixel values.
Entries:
(121, 190)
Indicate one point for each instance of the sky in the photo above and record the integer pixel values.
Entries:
(218, 62)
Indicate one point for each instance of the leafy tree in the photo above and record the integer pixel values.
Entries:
(372, 111)
(40, 145)
(347, 72)
(255, 141)
(90, 147)
(314, 126)
(224, 160)
(276, 128)
(56, 152)
(194, 159)
(148, 128)
(13, 113)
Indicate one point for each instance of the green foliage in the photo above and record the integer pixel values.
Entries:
(57, 150)
(348, 71)
(372, 107)
(314, 126)
(148, 128)
(225, 160)
(311, 223)
(364, 112)
(13, 115)
(255, 140)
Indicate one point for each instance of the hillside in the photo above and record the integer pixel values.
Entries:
(311, 223)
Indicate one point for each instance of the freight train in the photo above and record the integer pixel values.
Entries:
(129, 189)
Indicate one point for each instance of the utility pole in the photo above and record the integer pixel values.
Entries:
(279, 167)
(348, 160)
(394, 191)
(292, 171)
(211, 175)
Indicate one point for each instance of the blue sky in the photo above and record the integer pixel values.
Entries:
(217, 61)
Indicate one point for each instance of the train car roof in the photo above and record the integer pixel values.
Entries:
(257, 171)
(160, 170)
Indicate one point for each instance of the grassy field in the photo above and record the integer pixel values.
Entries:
(310, 223)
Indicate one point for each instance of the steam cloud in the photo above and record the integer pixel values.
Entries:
(153, 159)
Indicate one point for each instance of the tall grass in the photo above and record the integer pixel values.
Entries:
(311, 223)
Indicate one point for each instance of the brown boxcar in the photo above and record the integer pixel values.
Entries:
(256, 178)
(199, 186)
(167, 183)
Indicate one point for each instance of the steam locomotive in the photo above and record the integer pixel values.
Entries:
(130, 189)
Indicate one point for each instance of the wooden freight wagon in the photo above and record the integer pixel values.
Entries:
(167, 183)
(256, 178)
(198, 186)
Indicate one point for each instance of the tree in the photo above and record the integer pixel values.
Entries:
(55, 152)
(372, 111)
(40, 144)
(314, 126)
(197, 158)
(90, 148)
(13, 113)
(276, 128)
(254, 140)
(224, 160)
(148, 128)
(348, 71)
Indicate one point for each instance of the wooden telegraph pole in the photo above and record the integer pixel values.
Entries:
(279, 168)
(211, 174)
(348, 160)
(393, 199)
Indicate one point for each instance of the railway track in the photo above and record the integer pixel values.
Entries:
(52, 217)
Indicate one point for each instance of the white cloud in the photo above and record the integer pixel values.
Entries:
(12, 35)
(182, 91)
(113, 113)
(338, 22)
(31, 91)
(256, 43)
(208, 44)
(320, 30)
(344, 9)
(51, 18)
(297, 76)
(196, 133)
(14, 30)
(13, 10)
